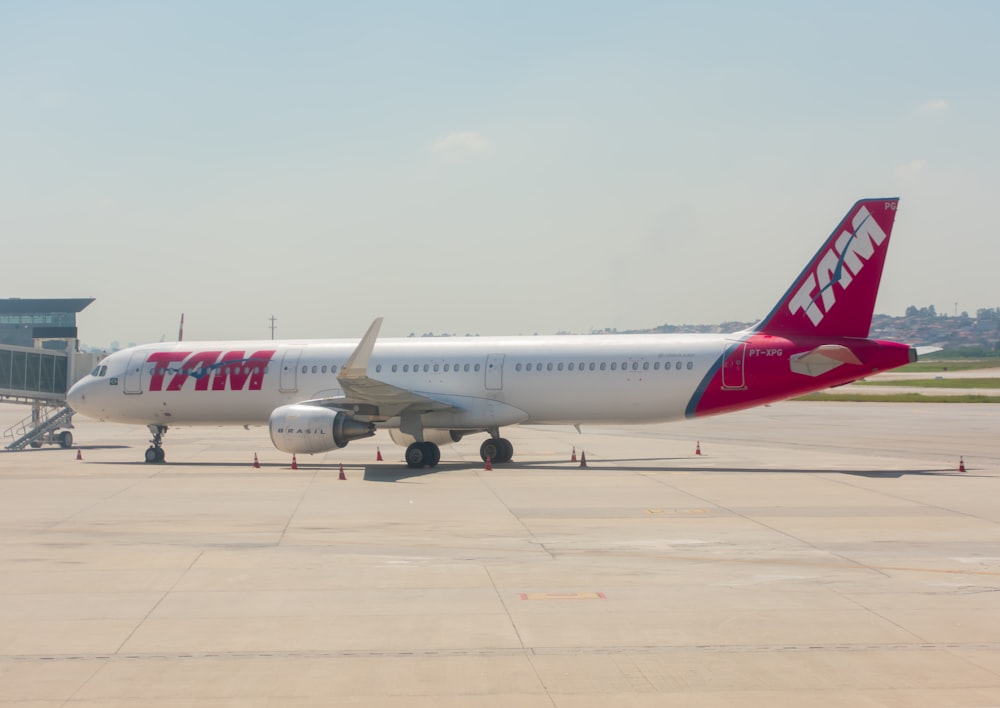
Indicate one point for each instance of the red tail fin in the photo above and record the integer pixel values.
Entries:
(835, 294)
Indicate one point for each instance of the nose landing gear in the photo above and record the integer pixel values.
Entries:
(154, 453)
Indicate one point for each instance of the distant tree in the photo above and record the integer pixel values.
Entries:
(926, 312)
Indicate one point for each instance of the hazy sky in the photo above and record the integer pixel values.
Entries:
(498, 168)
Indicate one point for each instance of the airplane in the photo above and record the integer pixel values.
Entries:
(319, 395)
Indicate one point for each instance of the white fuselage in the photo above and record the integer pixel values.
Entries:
(494, 381)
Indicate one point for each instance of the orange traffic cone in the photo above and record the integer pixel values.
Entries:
(378, 454)
(583, 458)
(295, 464)
(256, 462)
(961, 464)
(79, 454)
(573, 458)
(697, 448)
(488, 465)
(342, 475)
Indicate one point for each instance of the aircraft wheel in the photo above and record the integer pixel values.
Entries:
(35, 444)
(161, 456)
(416, 455)
(490, 450)
(66, 439)
(506, 450)
(151, 454)
(433, 453)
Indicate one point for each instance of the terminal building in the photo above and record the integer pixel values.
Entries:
(39, 361)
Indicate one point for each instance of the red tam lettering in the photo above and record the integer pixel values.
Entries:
(160, 362)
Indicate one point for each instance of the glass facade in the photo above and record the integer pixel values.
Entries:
(32, 371)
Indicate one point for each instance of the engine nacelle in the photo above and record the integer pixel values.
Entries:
(438, 437)
(309, 429)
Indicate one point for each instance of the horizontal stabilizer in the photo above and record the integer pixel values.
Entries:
(822, 359)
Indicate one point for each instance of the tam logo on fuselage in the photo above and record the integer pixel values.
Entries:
(211, 370)
(839, 265)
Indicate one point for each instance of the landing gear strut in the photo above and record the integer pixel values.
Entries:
(422, 454)
(155, 451)
(497, 450)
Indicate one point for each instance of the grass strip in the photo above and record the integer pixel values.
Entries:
(935, 383)
(897, 398)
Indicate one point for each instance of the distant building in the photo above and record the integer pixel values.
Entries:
(23, 321)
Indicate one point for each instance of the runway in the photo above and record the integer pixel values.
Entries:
(820, 554)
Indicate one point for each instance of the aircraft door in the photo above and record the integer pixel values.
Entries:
(133, 374)
(288, 380)
(494, 372)
(733, 368)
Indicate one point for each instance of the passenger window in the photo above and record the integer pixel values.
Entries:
(635, 366)
(446, 368)
(528, 367)
(581, 366)
(436, 367)
(604, 365)
(322, 369)
(406, 368)
(592, 366)
(315, 369)
(666, 365)
(548, 367)
(614, 366)
(305, 369)
(426, 368)
(466, 367)
(517, 368)
(690, 365)
(656, 365)
(570, 366)
(394, 368)
(645, 366)
(378, 368)
(333, 369)
(559, 366)
(477, 367)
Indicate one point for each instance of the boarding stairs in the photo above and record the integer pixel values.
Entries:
(41, 427)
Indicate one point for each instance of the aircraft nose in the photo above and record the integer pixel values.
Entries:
(75, 397)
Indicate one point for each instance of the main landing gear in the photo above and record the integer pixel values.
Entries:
(427, 454)
(155, 451)
(422, 454)
(496, 450)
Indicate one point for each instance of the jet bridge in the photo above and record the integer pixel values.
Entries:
(40, 378)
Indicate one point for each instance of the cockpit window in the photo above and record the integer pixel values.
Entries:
(99, 370)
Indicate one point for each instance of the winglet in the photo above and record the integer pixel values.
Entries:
(357, 365)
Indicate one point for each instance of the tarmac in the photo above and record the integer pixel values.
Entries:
(814, 554)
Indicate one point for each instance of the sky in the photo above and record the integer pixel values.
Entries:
(489, 168)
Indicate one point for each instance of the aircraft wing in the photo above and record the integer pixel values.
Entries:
(370, 398)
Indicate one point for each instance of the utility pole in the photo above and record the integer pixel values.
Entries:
(273, 320)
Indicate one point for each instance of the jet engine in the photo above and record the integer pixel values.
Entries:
(438, 437)
(307, 429)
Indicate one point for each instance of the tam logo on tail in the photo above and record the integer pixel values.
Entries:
(835, 294)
